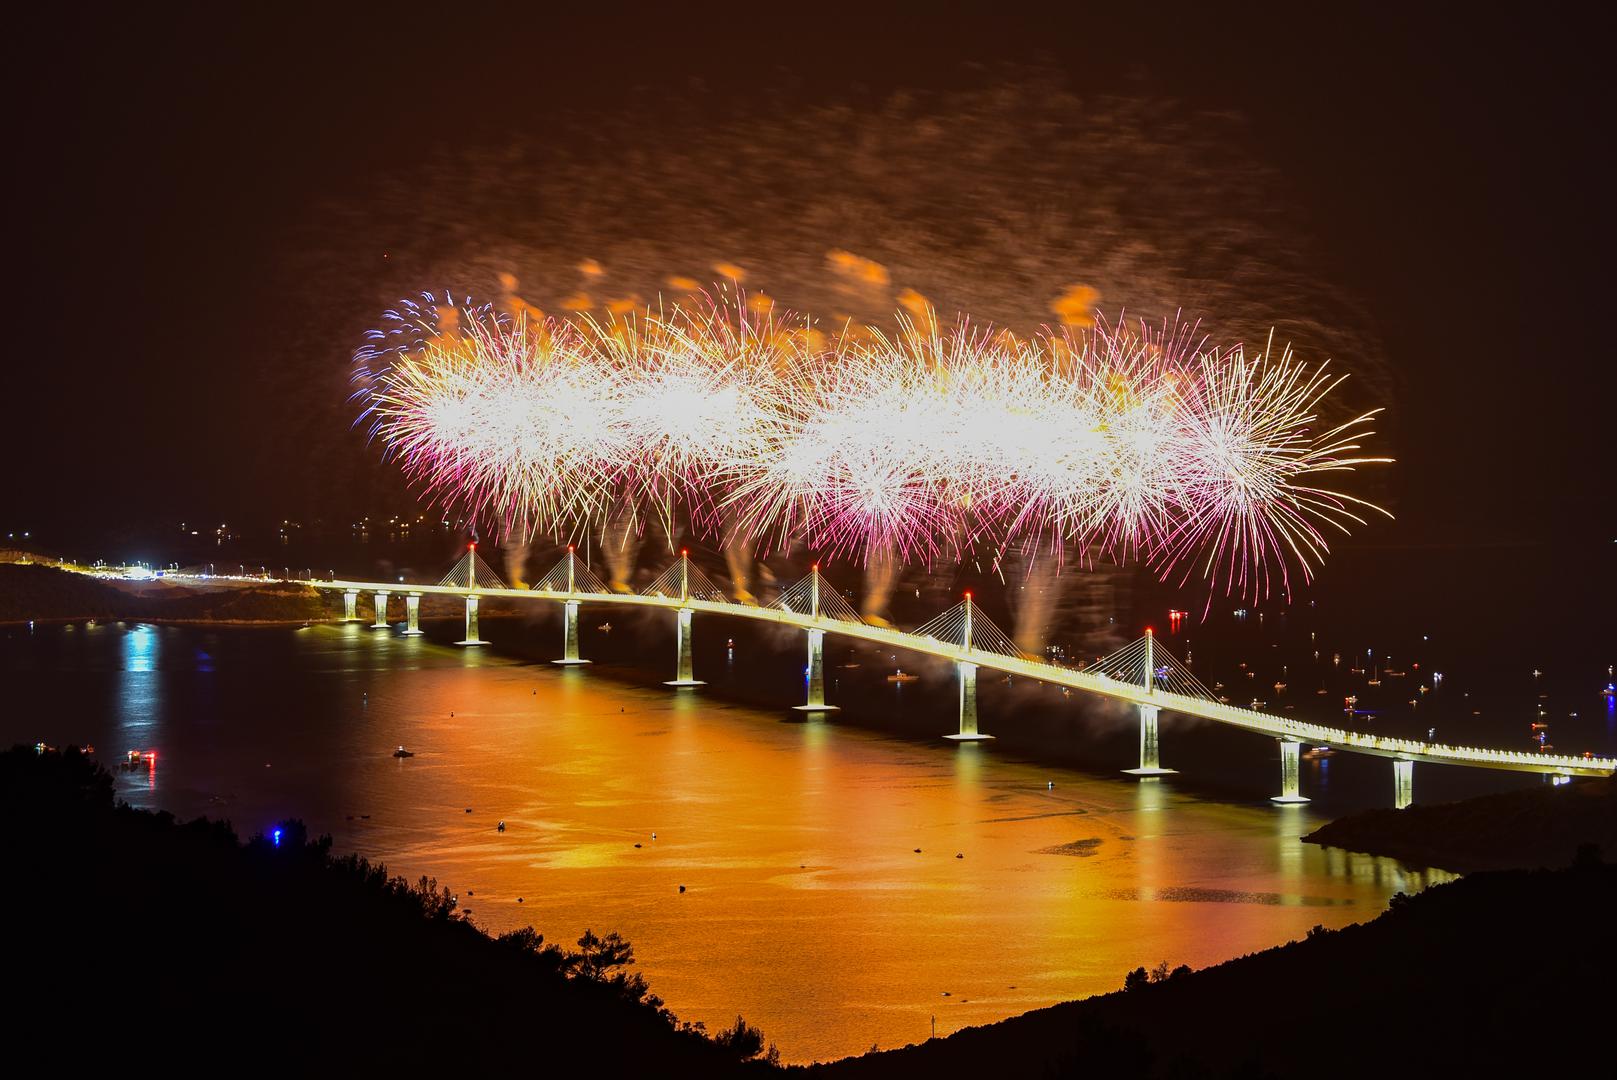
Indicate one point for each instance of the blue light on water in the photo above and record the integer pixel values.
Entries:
(140, 648)
(276, 836)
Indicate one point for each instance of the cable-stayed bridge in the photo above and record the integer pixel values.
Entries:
(1142, 673)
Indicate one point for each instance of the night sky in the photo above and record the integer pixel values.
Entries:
(209, 205)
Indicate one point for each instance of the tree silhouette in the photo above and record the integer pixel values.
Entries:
(747, 1042)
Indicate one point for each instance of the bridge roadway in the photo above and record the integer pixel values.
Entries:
(1285, 729)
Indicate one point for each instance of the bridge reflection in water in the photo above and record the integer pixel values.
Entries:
(1141, 673)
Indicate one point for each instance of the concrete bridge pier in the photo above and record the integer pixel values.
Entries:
(816, 675)
(685, 675)
(569, 635)
(471, 624)
(381, 611)
(1290, 758)
(1150, 747)
(1403, 783)
(968, 704)
(350, 605)
(412, 615)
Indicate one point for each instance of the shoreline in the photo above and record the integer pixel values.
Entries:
(158, 620)
(1539, 828)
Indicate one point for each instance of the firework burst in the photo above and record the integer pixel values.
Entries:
(1142, 443)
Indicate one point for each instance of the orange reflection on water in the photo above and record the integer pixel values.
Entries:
(807, 907)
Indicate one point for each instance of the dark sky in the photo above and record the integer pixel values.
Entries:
(168, 169)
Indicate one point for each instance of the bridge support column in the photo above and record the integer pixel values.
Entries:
(1150, 752)
(350, 605)
(1290, 755)
(816, 675)
(412, 615)
(569, 635)
(968, 704)
(381, 611)
(471, 624)
(685, 676)
(1403, 783)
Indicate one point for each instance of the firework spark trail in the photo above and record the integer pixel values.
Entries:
(1142, 443)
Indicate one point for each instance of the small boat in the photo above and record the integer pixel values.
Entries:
(1280, 687)
(137, 759)
(902, 676)
(401, 752)
(605, 628)
(1314, 753)
(851, 664)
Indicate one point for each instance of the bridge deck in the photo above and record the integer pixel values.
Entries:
(1279, 727)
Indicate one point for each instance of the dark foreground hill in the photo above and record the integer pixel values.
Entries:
(1536, 827)
(130, 938)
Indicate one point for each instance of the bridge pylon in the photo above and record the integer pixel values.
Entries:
(1150, 741)
(1403, 783)
(819, 601)
(471, 637)
(685, 674)
(350, 605)
(381, 622)
(966, 674)
(471, 574)
(569, 616)
(412, 615)
(1290, 768)
(1150, 745)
